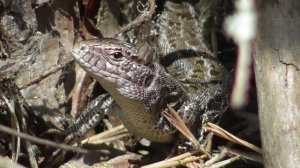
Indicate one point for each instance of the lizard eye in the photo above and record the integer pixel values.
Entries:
(118, 56)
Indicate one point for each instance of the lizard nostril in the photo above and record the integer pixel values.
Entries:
(83, 48)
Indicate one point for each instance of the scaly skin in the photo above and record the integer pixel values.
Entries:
(186, 57)
(142, 91)
(195, 84)
(183, 74)
(181, 50)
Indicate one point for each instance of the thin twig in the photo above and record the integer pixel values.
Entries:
(174, 161)
(31, 155)
(208, 142)
(41, 141)
(118, 144)
(226, 135)
(225, 162)
(28, 144)
(216, 158)
(15, 124)
(143, 18)
(46, 73)
(174, 118)
(77, 96)
(106, 136)
(247, 155)
(108, 139)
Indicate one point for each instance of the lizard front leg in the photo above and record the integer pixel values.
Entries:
(90, 117)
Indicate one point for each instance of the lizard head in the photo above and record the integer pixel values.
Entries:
(121, 69)
(140, 86)
(112, 62)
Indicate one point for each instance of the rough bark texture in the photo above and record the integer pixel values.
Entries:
(277, 63)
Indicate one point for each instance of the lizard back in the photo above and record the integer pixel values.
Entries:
(186, 57)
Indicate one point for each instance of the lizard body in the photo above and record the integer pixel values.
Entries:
(187, 76)
(183, 74)
(141, 91)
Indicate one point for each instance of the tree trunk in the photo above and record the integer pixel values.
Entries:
(277, 63)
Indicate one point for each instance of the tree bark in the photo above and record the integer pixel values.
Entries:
(277, 63)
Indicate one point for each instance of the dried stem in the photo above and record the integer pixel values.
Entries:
(174, 118)
(107, 136)
(15, 124)
(143, 18)
(46, 73)
(226, 135)
(41, 141)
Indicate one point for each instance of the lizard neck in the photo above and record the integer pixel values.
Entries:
(136, 117)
